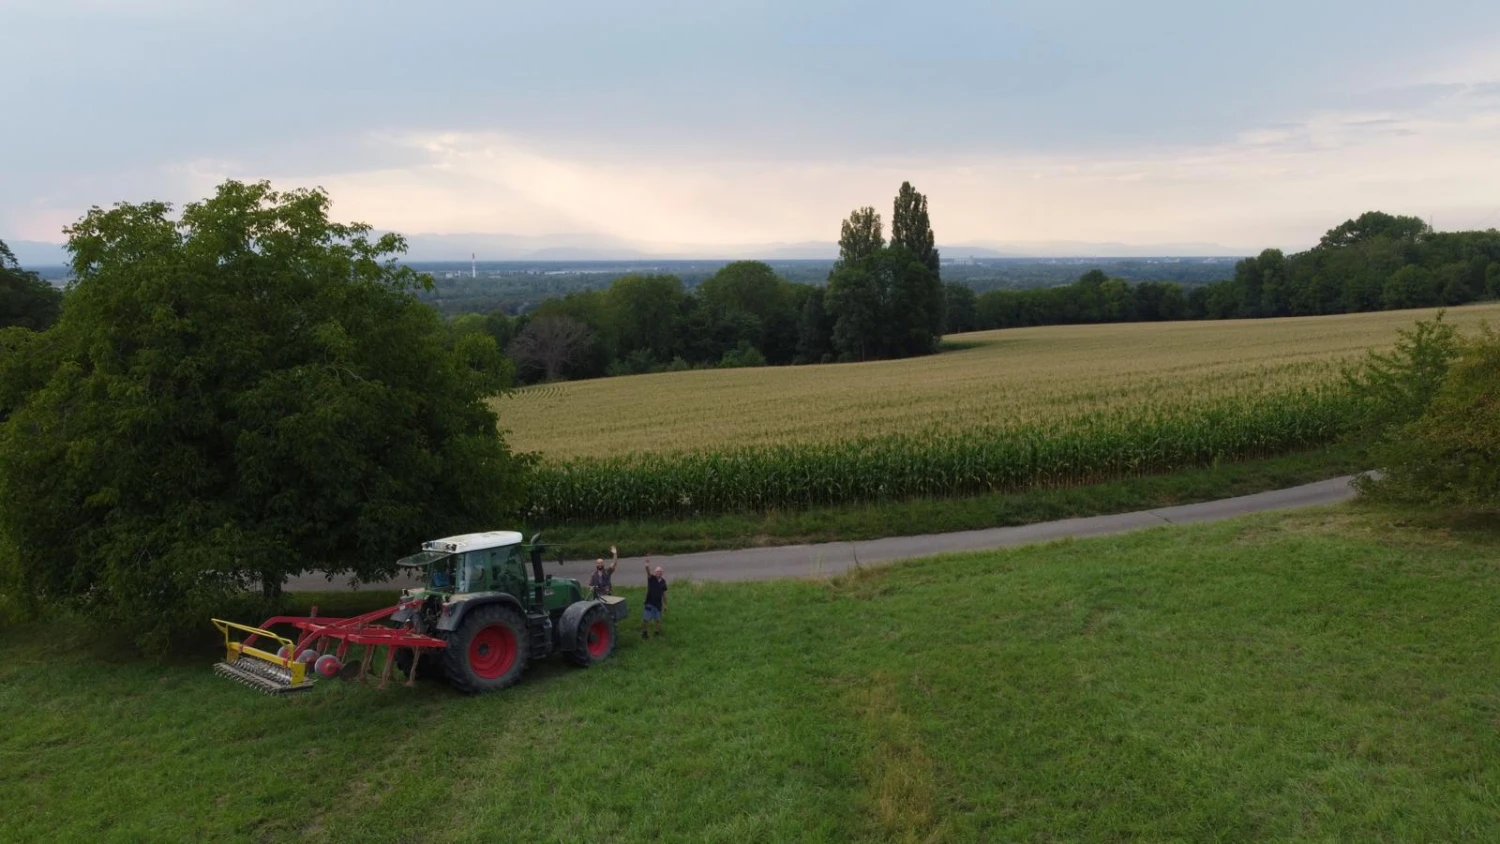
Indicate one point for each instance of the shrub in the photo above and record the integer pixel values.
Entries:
(1450, 455)
(1394, 388)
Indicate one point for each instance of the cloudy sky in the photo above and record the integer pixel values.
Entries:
(699, 126)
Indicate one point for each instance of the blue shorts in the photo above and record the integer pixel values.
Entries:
(650, 613)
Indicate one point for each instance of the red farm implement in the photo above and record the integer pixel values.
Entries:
(321, 648)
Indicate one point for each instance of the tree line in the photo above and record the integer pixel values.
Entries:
(881, 300)
(1374, 262)
(886, 299)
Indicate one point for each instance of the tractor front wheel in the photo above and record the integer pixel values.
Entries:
(596, 637)
(488, 651)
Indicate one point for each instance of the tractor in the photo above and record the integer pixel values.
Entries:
(477, 620)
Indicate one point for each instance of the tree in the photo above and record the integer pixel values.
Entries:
(590, 308)
(915, 297)
(1409, 287)
(550, 344)
(860, 236)
(885, 301)
(886, 305)
(751, 293)
(1119, 301)
(25, 300)
(857, 302)
(643, 313)
(911, 228)
(814, 329)
(1371, 225)
(234, 396)
(1452, 285)
(959, 309)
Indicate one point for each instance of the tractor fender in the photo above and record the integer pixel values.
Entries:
(567, 625)
(453, 613)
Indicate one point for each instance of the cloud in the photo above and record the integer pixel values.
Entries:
(1283, 185)
(659, 121)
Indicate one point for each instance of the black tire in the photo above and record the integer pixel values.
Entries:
(488, 651)
(429, 666)
(595, 639)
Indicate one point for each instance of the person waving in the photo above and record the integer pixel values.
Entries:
(656, 599)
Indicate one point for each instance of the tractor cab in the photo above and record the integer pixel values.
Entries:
(494, 561)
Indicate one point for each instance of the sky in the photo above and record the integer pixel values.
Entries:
(703, 127)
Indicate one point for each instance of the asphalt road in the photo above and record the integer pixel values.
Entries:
(834, 557)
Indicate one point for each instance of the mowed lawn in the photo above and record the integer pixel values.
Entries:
(1001, 378)
(1315, 676)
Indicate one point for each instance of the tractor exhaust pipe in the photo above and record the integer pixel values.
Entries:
(541, 578)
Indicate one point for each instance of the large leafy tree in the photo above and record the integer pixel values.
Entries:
(26, 301)
(643, 314)
(751, 295)
(233, 396)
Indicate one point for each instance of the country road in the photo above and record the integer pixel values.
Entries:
(834, 557)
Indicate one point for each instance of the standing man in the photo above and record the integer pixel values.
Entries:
(656, 599)
(601, 582)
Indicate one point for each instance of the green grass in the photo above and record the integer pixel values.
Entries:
(1316, 676)
(927, 515)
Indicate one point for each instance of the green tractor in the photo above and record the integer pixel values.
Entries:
(477, 620)
(477, 597)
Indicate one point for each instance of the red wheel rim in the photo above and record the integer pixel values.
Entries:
(492, 651)
(599, 637)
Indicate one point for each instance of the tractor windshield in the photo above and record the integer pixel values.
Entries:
(439, 565)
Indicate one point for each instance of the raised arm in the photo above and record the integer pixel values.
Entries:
(614, 554)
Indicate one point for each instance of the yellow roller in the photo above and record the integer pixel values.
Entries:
(269, 672)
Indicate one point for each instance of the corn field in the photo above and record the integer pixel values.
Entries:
(940, 462)
(1034, 378)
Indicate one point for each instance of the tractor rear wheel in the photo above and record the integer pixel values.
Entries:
(488, 651)
(595, 639)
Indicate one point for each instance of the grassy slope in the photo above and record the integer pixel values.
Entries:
(1314, 676)
(924, 516)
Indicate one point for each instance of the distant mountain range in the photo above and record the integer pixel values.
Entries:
(586, 247)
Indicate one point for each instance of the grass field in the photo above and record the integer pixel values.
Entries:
(1001, 380)
(1321, 676)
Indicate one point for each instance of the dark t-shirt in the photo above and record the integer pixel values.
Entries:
(656, 591)
(601, 580)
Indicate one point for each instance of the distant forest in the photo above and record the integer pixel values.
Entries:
(518, 286)
(749, 313)
(891, 299)
(1375, 262)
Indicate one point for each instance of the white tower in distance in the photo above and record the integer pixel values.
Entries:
(473, 267)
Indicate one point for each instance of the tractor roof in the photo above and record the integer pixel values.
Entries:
(473, 541)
